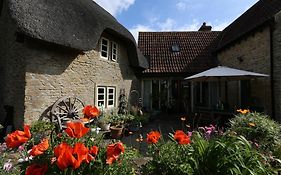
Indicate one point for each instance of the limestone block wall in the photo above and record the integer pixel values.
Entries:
(12, 71)
(52, 74)
(35, 74)
(277, 66)
(254, 55)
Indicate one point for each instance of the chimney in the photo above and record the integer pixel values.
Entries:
(205, 28)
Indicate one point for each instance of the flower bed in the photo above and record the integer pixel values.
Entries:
(77, 150)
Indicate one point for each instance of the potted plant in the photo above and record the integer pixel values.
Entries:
(104, 122)
(116, 131)
(118, 122)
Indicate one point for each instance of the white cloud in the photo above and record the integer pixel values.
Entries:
(140, 28)
(167, 25)
(194, 26)
(182, 6)
(115, 6)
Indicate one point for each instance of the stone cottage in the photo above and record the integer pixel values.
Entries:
(50, 49)
(253, 42)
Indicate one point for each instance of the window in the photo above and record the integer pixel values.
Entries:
(110, 96)
(106, 96)
(104, 48)
(101, 96)
(109, 50)
(114, 51)
(175, 48)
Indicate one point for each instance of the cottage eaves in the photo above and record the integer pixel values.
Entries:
(76, 24)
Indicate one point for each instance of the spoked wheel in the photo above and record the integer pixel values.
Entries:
(66, 109)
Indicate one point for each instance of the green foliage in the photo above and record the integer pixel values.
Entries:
(227, 154)
(169, 158)
(231, 155)
(121, 118)
(42, 126)
(105, 119)
(144, 118)
(257, 128)
(124, 166)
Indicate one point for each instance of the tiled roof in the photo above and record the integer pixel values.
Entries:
(195, 53)
(254, 17)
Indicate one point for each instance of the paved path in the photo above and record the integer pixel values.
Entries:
(163, 123)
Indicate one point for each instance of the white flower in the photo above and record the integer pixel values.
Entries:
(8, 166)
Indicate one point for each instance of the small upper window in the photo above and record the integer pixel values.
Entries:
(104, 48)
(175, 48)
(114, 51)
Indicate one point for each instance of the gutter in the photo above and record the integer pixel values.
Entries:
(271, 28)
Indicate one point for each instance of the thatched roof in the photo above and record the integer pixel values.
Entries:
(76, 24)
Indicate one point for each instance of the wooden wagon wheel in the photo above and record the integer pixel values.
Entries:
(66, 109)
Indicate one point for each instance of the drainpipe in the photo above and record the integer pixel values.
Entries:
(271, 28)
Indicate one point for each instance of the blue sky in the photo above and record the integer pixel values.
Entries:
(174, 15)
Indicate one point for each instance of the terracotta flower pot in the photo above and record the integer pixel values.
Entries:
(116, 131)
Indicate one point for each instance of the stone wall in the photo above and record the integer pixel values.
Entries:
(11, 70)
(36, 74)
(252, 53)
(277, 66)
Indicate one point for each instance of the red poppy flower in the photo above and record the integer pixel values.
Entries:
(17, 138)
(40, 148)
(68, 156)
(153, 137)
(93, 152)
(181, 137)
(113, 152)
(36, 169)
(81, 152)
(90, 111)
(76, 129)
(63, 153)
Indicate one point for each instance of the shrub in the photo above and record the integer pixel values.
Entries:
(257, 128)
(228, 154)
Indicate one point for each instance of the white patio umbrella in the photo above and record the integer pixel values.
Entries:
(223, 73)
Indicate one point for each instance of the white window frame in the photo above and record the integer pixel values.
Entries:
(104, 95)
(114, 47)
(107, 48)
(108, 99)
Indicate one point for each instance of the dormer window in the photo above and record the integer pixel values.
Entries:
(175, 48)
(114, 51)
(109, 49)
(104, 48)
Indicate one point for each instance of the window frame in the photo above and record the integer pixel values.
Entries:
(108, 99)
(112, 51)
(104, 95)
(103, 51)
